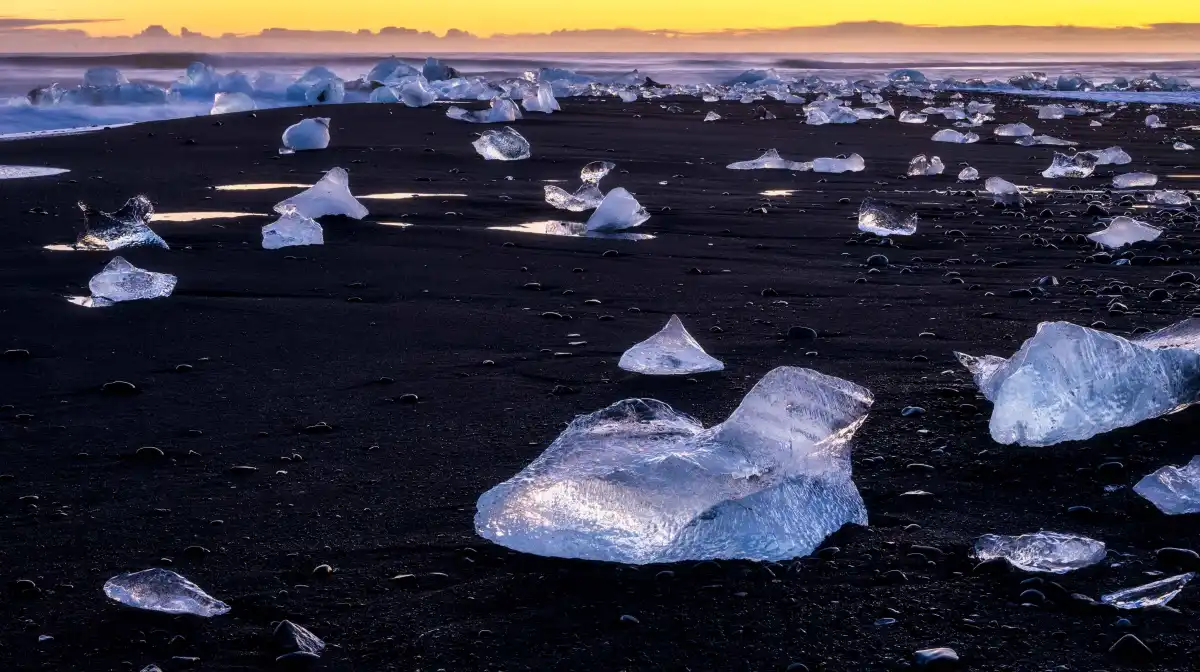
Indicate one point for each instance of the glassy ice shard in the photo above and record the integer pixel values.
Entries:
(292, 229)
(1052, 111)
(544, 101)
(1135, 180)
(619, 210)
(968, 174)
(586, 197)
(501, 111)
(415, 92)
(1114, 156)
(1125, 231)
(595, 171)
(1183, 147)
(956, 137)
(842, 164)
(232, 102)
(122, 281)
(639, 482)
(1077, 166)
(1003, 191)
(712, 116)
(308, 135)
(1174, 490)
(922, 166)
(1153, 594)
(1153, 121)
(670, 352)
(126, 227)
(505, 144)
(330, 196)
(1070, 383)
(1170, 198)
(907, 117)
(1051, 552)
(162, 590)
(1014, 130)
(881, 220)
(769, 161)
(1045, 140)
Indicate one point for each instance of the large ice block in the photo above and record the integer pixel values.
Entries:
(882, 220)
(1113, 156)
(670, 352)
(1051, 552)
(619, 210)
(330, 196)
(162, 590)
(122, 281)
(544, 101)
(292, 229)
(307, 135)
(505, 144)
(1174, 490)
(639, 482)
(1125, 231)
(126, 227)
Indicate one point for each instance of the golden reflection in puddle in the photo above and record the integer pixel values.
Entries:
(398, 225)
(570, 230)
(61, 248)
(264, 186)
(200, 216)
(405, 196)
(1184, 176)
(777, 192)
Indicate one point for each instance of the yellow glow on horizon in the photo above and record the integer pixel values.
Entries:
(488, 17)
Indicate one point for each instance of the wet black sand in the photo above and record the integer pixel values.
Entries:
(278, 341)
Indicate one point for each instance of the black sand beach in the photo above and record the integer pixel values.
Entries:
(276, 342)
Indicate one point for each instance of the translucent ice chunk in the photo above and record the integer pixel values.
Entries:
(318, 85)
(875, 217)
(670, 352)
(968, 174)
(619, 210)
(330, 196)
(1153, 594)
(544, 101)
(595, 171)
(1052, 111)
(122, 281)
(435, 71)
(768, 161)
(1183, 147)
(126, 227)
(842, 164)
(1003, 191)
(1051, 552)
(1070, 383)
(505, 144)
(1125, 231)
(639, 482)
(1170, 198)
(1174, 490)
(307, 135)
(292, 229)
(1079, 165)
(1153, 121)
(1045, 140)
(1135, 180)
(1114, 156)
(500, 111)
(816, 117)
(712, 116)
(921, 166)
(587, 197)
(627, 96)
(229, 103)
(104, 77)
(1014, 130)
(907, 117)
(951, 135)
(415, 92)
(162, 590)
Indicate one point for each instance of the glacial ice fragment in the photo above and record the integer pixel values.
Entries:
(1135, 180)
(770, 160)
(318, 85)
(586, 197)
(842, 164)
(126, 227)
(1183, 147)
(639, 482)
(309, 134)
(330, 196)
(230, 103)
(1003, 192)
(619, 210)
(436, 71)
(1070, 383)
(544, 101)
(1170, 198)
(968, 174)
(1051, 552)
(1080, 165)
(627, 96)
(712, 116)
(122, 281)
(1125, 231)
(1174, 490)
(670, 352)
(1045, 140)
(816, 117)
(1014, 131)
(1114, 156)
(104, 77)
(907, 117)
(1052, 111)
(951, 135)
(292, 229)
(500, 111)
(595, 171)
(922, 166)
(162, 590)
(1153, 594)
(505, 144)
(1153, 121)
(881, 220)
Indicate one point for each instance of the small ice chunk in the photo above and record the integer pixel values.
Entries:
(1153, 594)
(1183, 147)
(232, 102)
(619, 210)
(1052, 111)
(712, 116)
(1125, 231)
(881, 220)
(1003, 191)
(505, 144)
(586, 197)
(907, 117)
(627, 96)
(500, 111)
(1153, 121)
(968, 174)
(292, 229)
(951, 135)
(1174, 490)
(1014, 130)
(670, 352)
(1135, 180)
(1080, 165)
(1051, 552)
(544, 101)
(126, 227)
(842, 164)
(162, 590)
(1114, 156)
(309, 134)
(922, 166)
(595, 171)
(770, 160)
(1045, 140)
(1170, 198)
(122, 281)
(330, 196)
(638, 482)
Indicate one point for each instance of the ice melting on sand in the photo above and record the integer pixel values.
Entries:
(292, 229)
(968, 174)
(1045, 140)
(770, 160)
(1124, 231)
(875, 217)
(126, 227)
(1080, 165)
(1174, 490)
(1153, 594)
(1070, 383)
(1003, 191)
(1170, 198)
(308, 135)
(230, 103)
(500, 111)
(543, 101)
(670, 352)
(1135, 180)
(639, 482)
(922, 166)
(1114, 156)
(956, 137)
(907, 117)
(586, 197)
(595, 171)
(330, 196)
(23, 172)
(1014, 131)
(505, 144)
(163, 590)
(712, 116)
(122, 281)
(619, 210)
(1153, 121)
(842, 164)
(1051, 552)
(1183, 147)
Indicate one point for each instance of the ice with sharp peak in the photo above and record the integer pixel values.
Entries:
(968, 174)
(619, 210)
(1014, 130)
(712, 116)
(231, 103)
(1135, 180)
(307, 135)
(1113, 156)
(842, 164)
(921, 166)
(770, 160)
(1169, 198)
(329, 196)
(1070, 383)
(1153, 594)
(1174, 490)
(543, 101)
(292, 229)
(1080, 165)
(500, 111)
(907, 117)
(882, 220)
(1045, 140)
(127, 227)
(1051, 552)
(122, 281)
(436, 71)
(638, 482)
(162, 590)
(1124, 231)
(505, 144)
(670, 352)
(956, 137)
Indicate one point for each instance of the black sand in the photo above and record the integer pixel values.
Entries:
(279, 341)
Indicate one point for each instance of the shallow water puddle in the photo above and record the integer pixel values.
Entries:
(23, 172)
(405, 196)
(200, 216)
(570, 230)
(65, 248)
(261, 186)
(398, 225)
(778, 192)
(1184, 176)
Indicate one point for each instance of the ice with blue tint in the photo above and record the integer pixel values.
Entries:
(670, 352)
(163, 590)
(127, 227)
(292, 229)
(122, 281)
(505, 144)
(307, 135)
(619, 210)
(330, 196)
(1174, 490)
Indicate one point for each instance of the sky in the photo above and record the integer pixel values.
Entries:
(488, 17)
